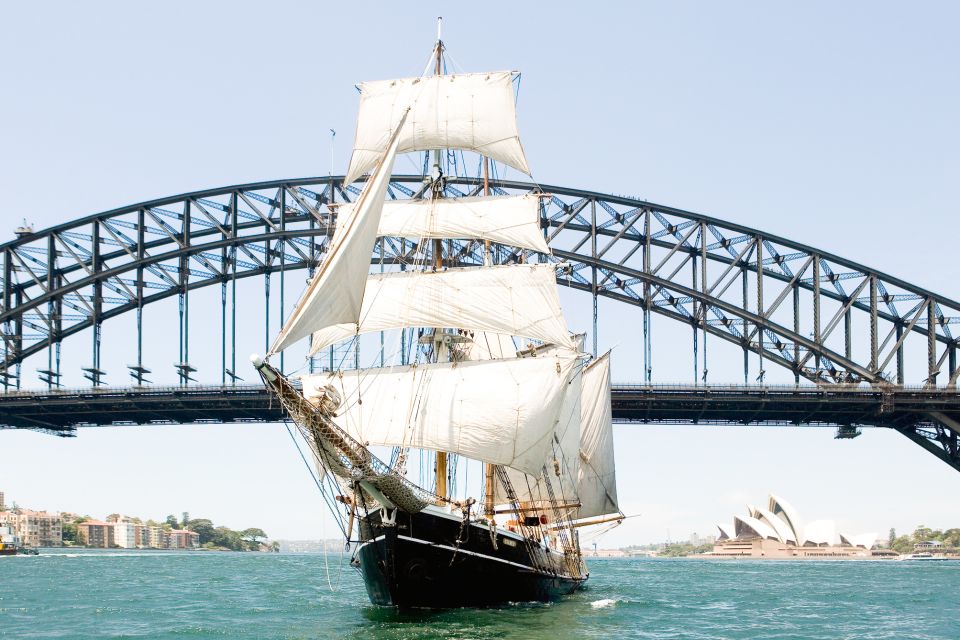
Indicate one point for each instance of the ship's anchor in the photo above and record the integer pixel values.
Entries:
(388, 518)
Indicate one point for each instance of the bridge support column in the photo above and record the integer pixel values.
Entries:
(283, 261)
(952, 364)
(233, 288)
(95, 374)
(593, 253)
(183, 367)
(899, 333)
(139, 371)
(694, 323)
(704, 307)
(647, 302)
(847, 334)
(874, 355)
(796, 330)
(932, 368)
(762, 373)
(223, 319)
(746, 327)
(816, 311)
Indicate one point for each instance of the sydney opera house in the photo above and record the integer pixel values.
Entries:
(776, 532)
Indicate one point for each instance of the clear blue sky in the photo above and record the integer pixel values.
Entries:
(834, 124)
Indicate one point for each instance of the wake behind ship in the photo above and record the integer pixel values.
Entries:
(464, 465)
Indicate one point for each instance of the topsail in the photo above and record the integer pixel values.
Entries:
(473, 111)
(516, 299)
(509, 220)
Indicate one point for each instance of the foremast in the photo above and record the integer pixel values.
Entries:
(436, 192)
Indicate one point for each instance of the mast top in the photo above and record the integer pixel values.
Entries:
(439, 28)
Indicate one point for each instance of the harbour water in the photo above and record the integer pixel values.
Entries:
(114, 594)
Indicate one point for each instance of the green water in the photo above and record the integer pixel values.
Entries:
(91, 594)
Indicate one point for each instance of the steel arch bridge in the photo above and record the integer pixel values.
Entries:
(825, 319)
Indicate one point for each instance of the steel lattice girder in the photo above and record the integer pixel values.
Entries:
(678, 264)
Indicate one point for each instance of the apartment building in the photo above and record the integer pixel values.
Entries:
(35, 528)
(125, 534)
(183, 539)
(94, 533)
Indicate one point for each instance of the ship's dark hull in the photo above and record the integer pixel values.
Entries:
(418, 562)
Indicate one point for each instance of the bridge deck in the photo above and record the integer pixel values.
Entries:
(928, 416)
(63, 411)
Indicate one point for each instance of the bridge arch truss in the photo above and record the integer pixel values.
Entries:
(826, 319)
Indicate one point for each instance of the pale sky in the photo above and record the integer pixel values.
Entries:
(833, 124)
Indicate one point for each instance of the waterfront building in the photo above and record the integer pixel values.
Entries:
(3, 505)
(930, 546)
(183, 539)
(125, 534)
(776, 532)
(152, 536)
(94, 533)
(35, 528)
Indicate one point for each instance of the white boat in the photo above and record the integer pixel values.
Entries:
(922, 555)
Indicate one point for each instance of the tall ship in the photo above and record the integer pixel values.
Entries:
(463, 466)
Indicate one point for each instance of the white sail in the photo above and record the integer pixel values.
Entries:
(589, 444)
(597, 486)
(510, 220)
(474, 111)
(562, 463)
(335, 294)
(491, 346)
(518, 299)
(499, 411)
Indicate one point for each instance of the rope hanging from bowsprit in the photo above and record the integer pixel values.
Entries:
(464, 535)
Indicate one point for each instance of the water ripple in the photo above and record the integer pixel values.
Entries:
(88, 594)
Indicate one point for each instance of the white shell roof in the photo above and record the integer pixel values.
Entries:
(785, 511)
(865, 540)
(749, 525)
(784, 532)
(726, 533)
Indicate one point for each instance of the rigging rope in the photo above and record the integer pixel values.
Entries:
(332, 508)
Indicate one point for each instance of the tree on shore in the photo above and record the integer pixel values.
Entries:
(252, 535)
(203, 527)
(70, 533)
(950, 539)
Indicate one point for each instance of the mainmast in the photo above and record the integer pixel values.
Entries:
(437, 192)
(489, 489)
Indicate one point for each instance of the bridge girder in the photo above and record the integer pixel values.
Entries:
(785, 302)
